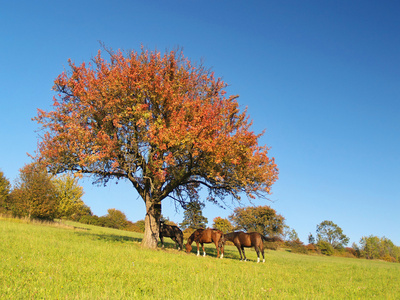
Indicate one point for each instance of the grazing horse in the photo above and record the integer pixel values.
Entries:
(252, 239)
(172, 232)
(206, 236)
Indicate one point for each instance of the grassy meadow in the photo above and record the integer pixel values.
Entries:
(40, 261)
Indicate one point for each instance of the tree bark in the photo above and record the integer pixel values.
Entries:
(152, 223)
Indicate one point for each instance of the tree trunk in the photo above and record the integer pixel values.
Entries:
(152, 223)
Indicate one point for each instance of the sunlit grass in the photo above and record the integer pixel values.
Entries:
(87, 262)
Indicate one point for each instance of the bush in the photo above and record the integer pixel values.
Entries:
(133, 227)
(325, 248)
(351, 252)
(272, 245)
(311, 248)
(297, 246)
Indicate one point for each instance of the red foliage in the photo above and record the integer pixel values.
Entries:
(158, 121)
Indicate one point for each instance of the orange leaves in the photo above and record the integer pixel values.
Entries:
(152, 116)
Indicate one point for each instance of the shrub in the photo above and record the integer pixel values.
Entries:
(297, 246)
(133, 227)
(311, 248)
(272, 245)
(325, 248)
(351, 252)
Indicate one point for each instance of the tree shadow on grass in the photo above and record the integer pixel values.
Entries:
(168, 244)
(111, 237)
(210, 250)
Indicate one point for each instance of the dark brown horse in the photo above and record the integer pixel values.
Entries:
(252, 239)
(206, 236)
(172, 232)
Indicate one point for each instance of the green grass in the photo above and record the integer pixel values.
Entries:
(60, 262)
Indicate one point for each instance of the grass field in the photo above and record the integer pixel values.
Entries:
(60, 262)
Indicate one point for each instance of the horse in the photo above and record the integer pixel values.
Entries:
(252, 239)
(206, 236)
(172, 232)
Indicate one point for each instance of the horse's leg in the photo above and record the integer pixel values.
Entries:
(258, 253)
(162, 241)
(218, 248)
(204, 251)
(198, 252)
(175, 240)
(244, 255)
(180, 241)
(262, 252)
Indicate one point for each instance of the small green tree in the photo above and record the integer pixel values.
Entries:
(292, 235)
(140, 224)
(330, 232)
(116, 219)
(34, 194)
(222, 224)
(193, 216)
(311, 239)
(5, 188)
(68, 195)
(262, 219)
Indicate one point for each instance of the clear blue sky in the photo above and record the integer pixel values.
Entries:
(322, 77)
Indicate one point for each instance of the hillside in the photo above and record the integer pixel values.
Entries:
(88, 262)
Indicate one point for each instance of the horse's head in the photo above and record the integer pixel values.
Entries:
(188, 248)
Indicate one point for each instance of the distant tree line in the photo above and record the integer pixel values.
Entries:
(39, 195)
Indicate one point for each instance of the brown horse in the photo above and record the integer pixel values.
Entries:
(206, 236)
(172, 232)
(252, 239)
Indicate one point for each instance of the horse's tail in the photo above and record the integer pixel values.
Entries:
(271, 239)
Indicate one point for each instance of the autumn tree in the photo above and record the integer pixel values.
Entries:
(68, 196)
(331, 233)
(262, 219)
(222, 224)
(34, 194)
(5, 188)
(157, 120)
(373, 247)
(193, 216)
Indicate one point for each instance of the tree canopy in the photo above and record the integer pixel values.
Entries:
(68, 196)
(262, 219)
(331, 233)
(158, 121)
(5, 188)
(222, 224)
(193, 216)
(34, 195)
